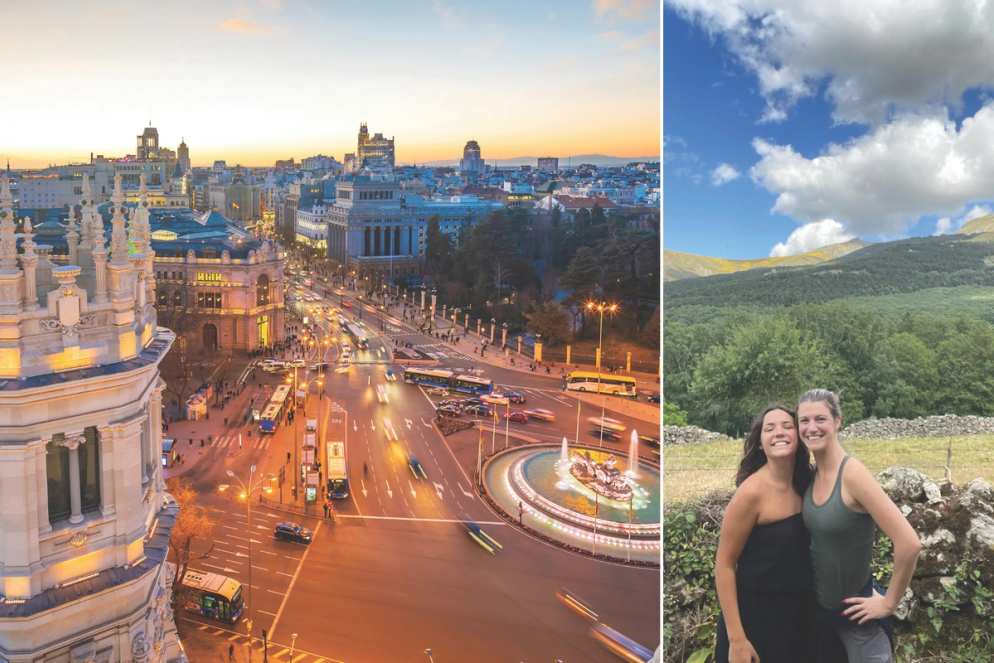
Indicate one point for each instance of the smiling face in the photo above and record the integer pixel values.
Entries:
(778, 436)
(818, 426)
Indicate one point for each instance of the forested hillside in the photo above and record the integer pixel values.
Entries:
(901, 329)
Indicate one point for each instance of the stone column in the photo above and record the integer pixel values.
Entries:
(72, 442)
(143, 442)
(41, 487)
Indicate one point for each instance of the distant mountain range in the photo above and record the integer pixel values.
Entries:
(564, 162)
(678, 265)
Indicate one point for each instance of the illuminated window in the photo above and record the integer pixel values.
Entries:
(208, 277)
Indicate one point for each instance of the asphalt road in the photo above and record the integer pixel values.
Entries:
(397, 573)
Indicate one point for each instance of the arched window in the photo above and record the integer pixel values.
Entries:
(262, 291)
(178, 298)
(161, 299)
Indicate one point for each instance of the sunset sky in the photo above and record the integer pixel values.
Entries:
(255, 81)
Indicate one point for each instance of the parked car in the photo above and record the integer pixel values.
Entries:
(437, 391)
(541, 415)
(287, 531)
(518, 399)
(448, 411)
(518, 417)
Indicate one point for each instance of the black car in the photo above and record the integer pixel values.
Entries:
(650, 439)
(325, 365)
(515, 398)
(448, 411)
(466, 402)
(480, 409)
(287, 531)
(609, 433)
(652, 398)
(454, 402)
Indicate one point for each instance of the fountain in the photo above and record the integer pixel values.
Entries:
(633, 456)
(602, 478)
(564, 454)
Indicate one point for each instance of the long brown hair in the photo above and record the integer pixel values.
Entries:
(753, 456)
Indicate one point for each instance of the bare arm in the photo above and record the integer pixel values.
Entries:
(862, 485)
(736, 526)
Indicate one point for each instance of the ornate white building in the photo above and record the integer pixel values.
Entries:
(84, 516)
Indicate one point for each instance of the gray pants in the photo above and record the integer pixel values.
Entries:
(866, 644)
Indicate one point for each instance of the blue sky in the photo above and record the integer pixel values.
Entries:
(251, 81)
(788, 126)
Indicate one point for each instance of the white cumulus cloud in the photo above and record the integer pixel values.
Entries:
(812, 236)
(876, 56)
(943, 226)
(724, 174)
(880, 183)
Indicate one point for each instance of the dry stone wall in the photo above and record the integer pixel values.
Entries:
(947, 425)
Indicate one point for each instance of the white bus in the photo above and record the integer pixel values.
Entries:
(609, 384)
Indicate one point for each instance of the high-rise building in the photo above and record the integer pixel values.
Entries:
(86, 520)
(148, 144)
(183, 156)
(375, 152)
(549, 164)
(471, 161)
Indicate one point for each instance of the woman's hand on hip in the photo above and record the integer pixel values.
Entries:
(863, 609)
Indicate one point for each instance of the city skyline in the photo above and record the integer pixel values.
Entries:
(251, 83)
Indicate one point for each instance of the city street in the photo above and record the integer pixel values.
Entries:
(396, 573)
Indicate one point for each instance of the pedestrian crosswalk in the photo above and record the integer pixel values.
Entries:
(283, 653)
(231, 442)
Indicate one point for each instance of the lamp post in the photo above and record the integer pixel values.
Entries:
(603, 306)
(379, 311)
(246, 493)
(360, 307)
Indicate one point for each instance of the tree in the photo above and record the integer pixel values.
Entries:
(673, 415)
(549, 320)
(650, 333)
(626, 255)
(581, 279)
(768, 361)
(905, 378)
(438, 245)
(965, 362)
(193, 523)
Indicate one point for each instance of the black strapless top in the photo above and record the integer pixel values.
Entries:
(777, 557)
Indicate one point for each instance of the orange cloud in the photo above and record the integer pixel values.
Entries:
(241, 25)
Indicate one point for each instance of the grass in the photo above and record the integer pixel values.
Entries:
(694, 470)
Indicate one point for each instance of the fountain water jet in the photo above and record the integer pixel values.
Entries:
(564, 454)
(562, 467)
(633, 456)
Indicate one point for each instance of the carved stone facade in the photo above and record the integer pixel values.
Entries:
(82, 565)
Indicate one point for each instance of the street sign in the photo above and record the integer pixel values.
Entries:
(282, 476)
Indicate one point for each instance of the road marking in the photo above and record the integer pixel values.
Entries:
(266, 552)
(285, 651)
(285, 574)
(297, 658)
(293, 558)
(271, 591)
(234, 637)
(259, 567)
(423, 520)
(293, 581)
(272, 614)
(203, 628)
(217, 632)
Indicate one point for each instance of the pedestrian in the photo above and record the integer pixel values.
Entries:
(325, 509)
(231, 652)
(287, 457)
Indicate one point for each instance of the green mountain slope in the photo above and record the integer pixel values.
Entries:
(877, 270)
(677, 265)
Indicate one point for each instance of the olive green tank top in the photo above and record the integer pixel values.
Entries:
(841, 545)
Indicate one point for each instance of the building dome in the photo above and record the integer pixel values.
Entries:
(471, 151)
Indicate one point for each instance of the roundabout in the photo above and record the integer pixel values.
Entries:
(586, 498)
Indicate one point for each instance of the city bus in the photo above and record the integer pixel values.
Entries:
(273, 413)
(424, 376)
(358, 335)
(213, 595)
(259, 404)
(473, 385)
(433, 378)
(338, 479)
(609, 384)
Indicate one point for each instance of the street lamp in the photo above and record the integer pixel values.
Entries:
(246, 493)
(603, 306)
(379, 310)
(360, 307)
